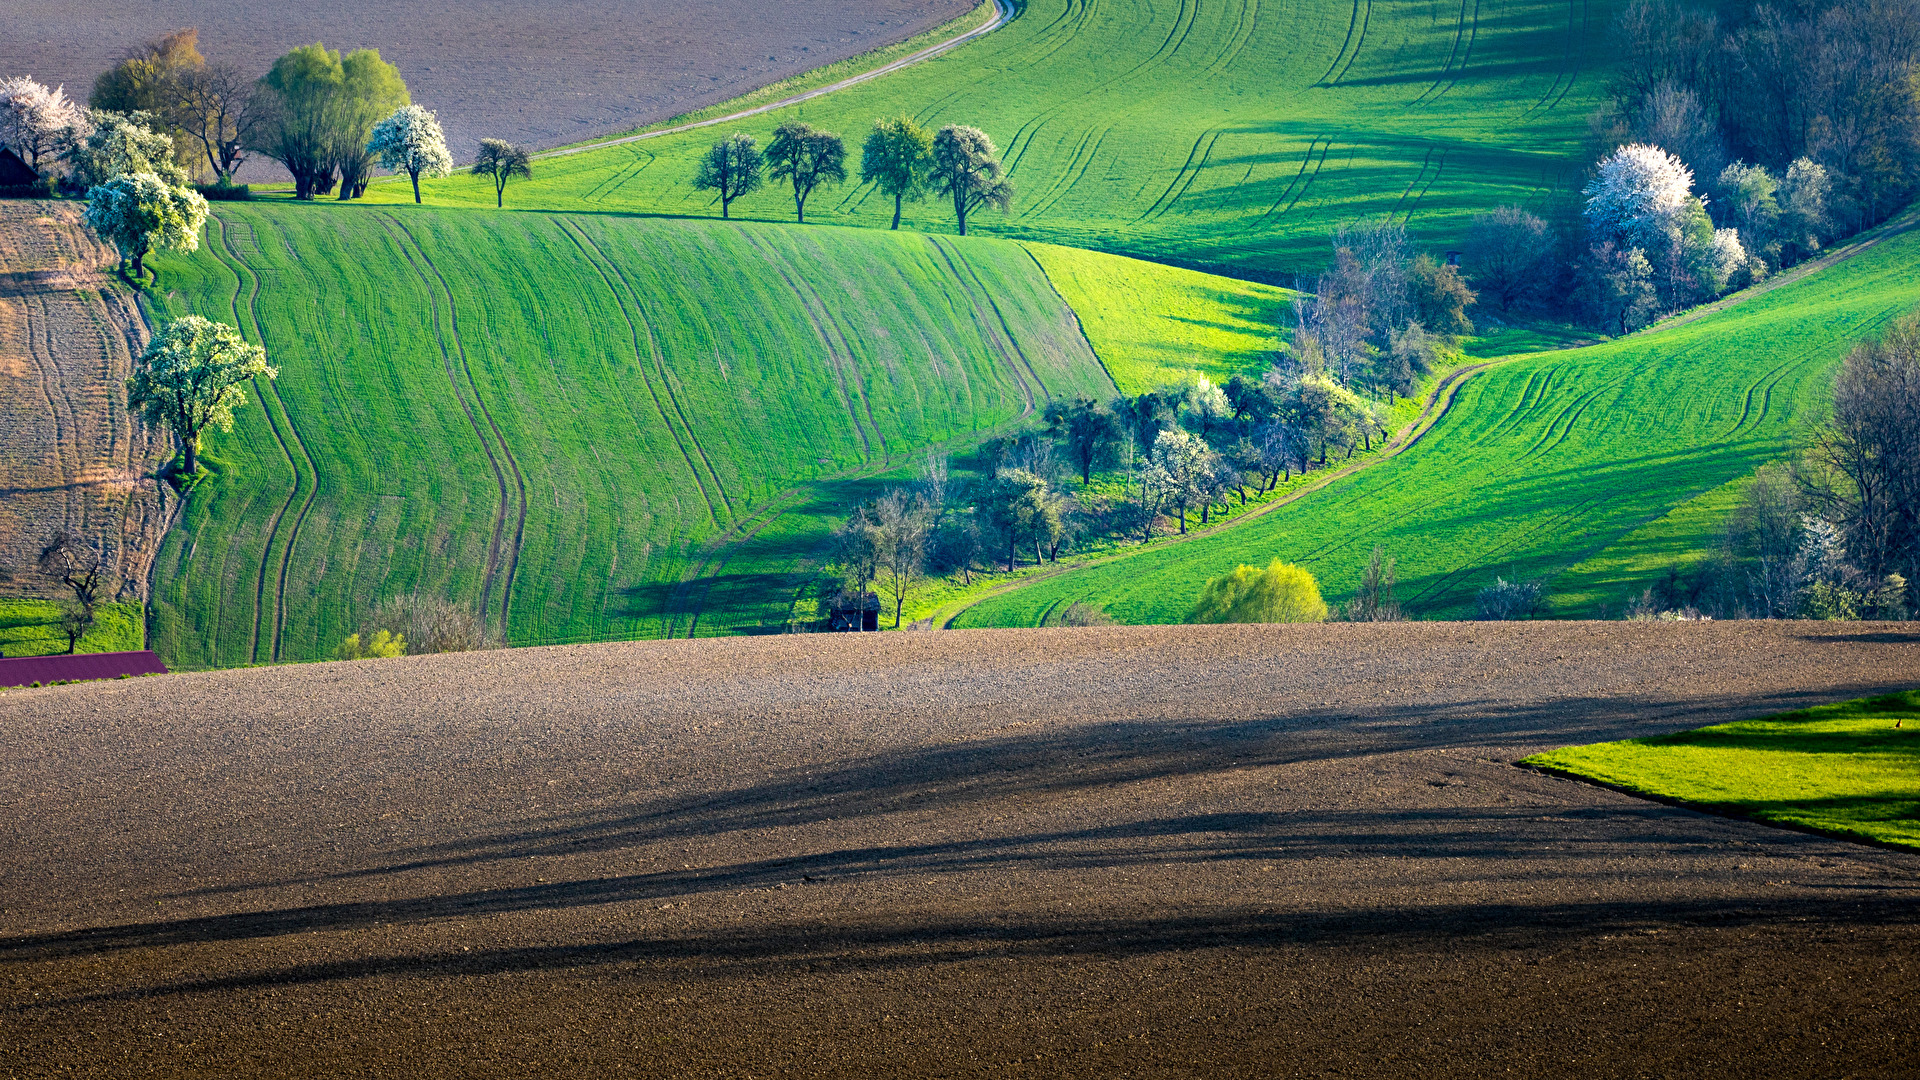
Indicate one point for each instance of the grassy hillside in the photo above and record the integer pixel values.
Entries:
(32, 628)
(1546, 461)
(557, 418)
(1229, 134)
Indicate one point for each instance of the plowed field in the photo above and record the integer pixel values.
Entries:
(70, 454)
(542, 73)
(1136, 851)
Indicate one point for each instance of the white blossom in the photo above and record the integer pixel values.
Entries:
(1638, 197)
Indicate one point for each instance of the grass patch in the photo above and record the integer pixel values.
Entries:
(1546, 461)
(1229, 135)
(32, 628)
(1844, 770)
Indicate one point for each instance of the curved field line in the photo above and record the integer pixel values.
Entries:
(1439, 402)
(1424, 162)
(1175, 182)
(1439, 167)
(1567, 63)
(1291, 184)
(1310, 179)
(279, 515)
(1003, 14)
(1237, 43)
(1074, 315)
(453, 382)
(845, 372)
(1011, 347)
(1191, 177)
(1459, 35)
(599, 260)
(1366, 20)
(1586, 19)
(1353, 22)
(1042, 200)
(1473, 35)
(506, 451)
(1062, 190)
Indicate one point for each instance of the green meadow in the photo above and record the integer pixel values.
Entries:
(1841, 769)
(1227, 136)
(598, 427)
(1545, 462)
(32, 628)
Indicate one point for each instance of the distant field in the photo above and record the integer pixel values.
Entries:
(544, 72)
(1228, 135)
(1843, 769)
(1545, 462)
(558, 418)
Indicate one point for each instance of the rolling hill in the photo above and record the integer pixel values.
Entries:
(1546, 461)
(570, 421)
(1227, 135)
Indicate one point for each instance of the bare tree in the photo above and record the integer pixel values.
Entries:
(75, 620)
(430, 624)
(500, 161)
(902, 548)
(217, 106)
(1375, 602)
(75, 562)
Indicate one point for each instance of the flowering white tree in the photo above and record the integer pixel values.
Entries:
(1190, 466)
(37, 122)
(138, 212)
(1639, 197)
(411, 139)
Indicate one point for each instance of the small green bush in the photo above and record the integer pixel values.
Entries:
(1281, 593)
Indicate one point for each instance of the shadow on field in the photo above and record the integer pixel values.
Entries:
(916, 943)
(989, 779)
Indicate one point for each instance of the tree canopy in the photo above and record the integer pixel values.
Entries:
(37, 122)
(731, 168)
(1281, 593)
(138, 212)
(320, 108)
(188, 378)
(411, 140)
(966, 168)
(501, 161)
(895, 158)
(808, 157)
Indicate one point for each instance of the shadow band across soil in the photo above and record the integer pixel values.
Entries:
(1233, 851)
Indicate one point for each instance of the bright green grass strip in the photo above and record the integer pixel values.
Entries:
(1155, 326)
(1676, 542)
(1219, 135)
(1842, 769)
(32, 628)
(653, 386)
(1545, 461)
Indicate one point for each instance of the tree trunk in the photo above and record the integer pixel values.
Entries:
(191, 444)
(799, 203)
(726, 201)
(1183, 521)
(415, 175)
(1206, 510)
(139, 265)
(898, 198)
(960, 211)
(499, 194)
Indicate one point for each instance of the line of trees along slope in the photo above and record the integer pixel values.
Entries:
(1231, 134)
(547, 418)
(1543, 461)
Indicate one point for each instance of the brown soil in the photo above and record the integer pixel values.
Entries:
(1154, 851)
(541, 73)
(70, 453)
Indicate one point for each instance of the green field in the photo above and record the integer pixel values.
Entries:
(32, 628)
(1544, 462)
(1841, 769)
(559, 418)
(1223, 135)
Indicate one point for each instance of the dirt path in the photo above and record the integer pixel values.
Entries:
(1131, 851)
(70, 454)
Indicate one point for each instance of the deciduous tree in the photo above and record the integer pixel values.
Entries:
(139, 212)
(74, 561)
(75, 620)
(411, 140)
(808, 158)
(966, 168)
(895, 158)
(37, 122)
(370, 88)
(218, 107)
(731, 168)
(1280, 593)
(1190, 466)
(188, 379)
(121, 144)
(1509, 256)
(1090, 431)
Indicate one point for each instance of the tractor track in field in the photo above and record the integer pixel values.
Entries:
(839, 357)
(1295, 182)
(1459, 35)
(475, 410)
(601, 261)
(1569, 69)
(1249, 17)
(265, 389)
(1472, 27)
(1006, 342)
(1190, 171)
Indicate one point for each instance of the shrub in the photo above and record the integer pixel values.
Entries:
(1081, 613)
(380, 644)
(430, 624)
(1281, 593)
(224, 191)
(1504, 600)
